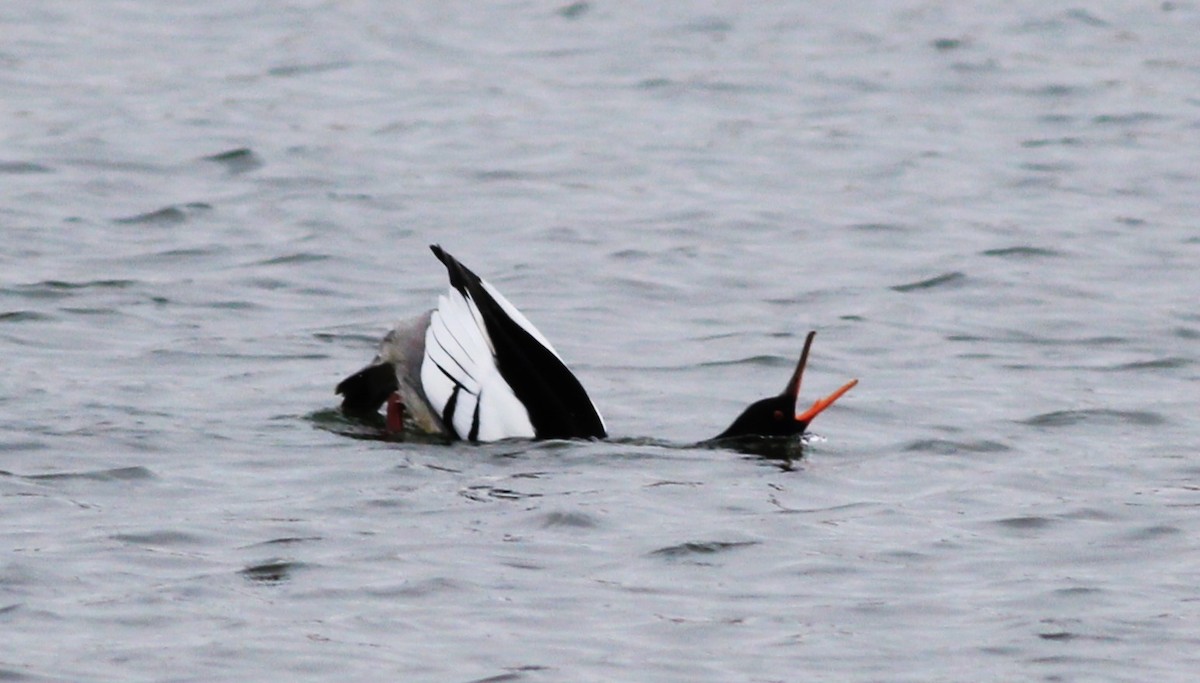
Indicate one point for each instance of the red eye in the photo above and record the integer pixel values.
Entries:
(778, 414)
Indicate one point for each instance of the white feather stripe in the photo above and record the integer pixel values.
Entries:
(441, 348)
(436, 386)
(479, 323)
(464, 321)
(446, 365)
(518, 317)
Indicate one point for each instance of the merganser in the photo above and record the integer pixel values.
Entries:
(476, 369)
(776, 416)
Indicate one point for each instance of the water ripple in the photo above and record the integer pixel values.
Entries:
(286, 540)
(23, 317)
(1095, 416)
(236, 161)
(485, 492)
(299, 258)
(289, 70)
(948, 447)
(59, 289)
(271, 572)
(574, 10)
(1025, 523)
(693, 549)
(23, 168)
(945, 280)
(512, 674)
(1169, 363)
(574, 520)
(114, 474)
(166, 537)
(168, 215)
(1022, 252)
(766, 361)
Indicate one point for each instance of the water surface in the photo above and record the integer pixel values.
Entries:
(211, 213)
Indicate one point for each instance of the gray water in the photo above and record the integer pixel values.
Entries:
(211, 211)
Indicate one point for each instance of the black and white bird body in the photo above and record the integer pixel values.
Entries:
(476, 369)
(473, 368)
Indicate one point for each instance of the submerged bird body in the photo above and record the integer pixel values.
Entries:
(395, 370)
(475, 368)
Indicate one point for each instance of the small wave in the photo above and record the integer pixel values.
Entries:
(331, 337)
(1099, 416)
(271, 572)
(1025, 523)
(89, 284)
(14, 446)
(701, 85)
(168, 215)
(1050, 167)
(502, 175)
(573, 520)
(881, 227)
(236, 161)
(700, 548)
(485, 492)
(1169, 363)
(574, 10)
(1024, 251)
(1126, 119)
(1154, 532)
(948, 447)
(158, 538)
(1077, 591)
(170, 257)
(23, 317)
(22, 168)
(1013, 337)
(1047, 142)
(114, 474)
(947, 44)
(288, 70)
(60, 289)
(952, 279)
(760, 360)
(299, 257)
(286, 540)
(514, 674)
(90, 310)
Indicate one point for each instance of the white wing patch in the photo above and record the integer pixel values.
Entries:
(460, 376)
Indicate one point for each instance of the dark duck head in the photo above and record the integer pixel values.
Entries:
(776, 416)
